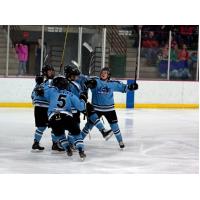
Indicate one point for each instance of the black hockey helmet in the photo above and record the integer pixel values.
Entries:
(46, 68)
(108, 71)
(70, 70)
(60, 82)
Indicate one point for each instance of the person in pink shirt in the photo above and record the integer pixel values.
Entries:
(22, 53)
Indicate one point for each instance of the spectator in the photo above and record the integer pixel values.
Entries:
(174, 52)
(193, 59)
(163, 59)
(195, 38)
(183, 54)
(165, 50)
(161, 34)
(174, 63)
(183, 63)
(150, 45)
(192, 63)
(186, 35)
(22, 54)
(150, 41)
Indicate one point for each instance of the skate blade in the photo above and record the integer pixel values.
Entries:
(109, 136)
(57, 152)
(36, 150)
(69, 157)
(74, 150)
(82, 159)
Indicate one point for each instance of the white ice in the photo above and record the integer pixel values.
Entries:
(157, 141)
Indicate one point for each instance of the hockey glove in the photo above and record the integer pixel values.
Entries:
(133, 86)
(39, 79)
(39, 91)
(83, 97)
(91, 83)
(89, 108)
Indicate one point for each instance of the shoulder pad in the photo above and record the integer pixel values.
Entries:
(51, 86)
(69, 93)
(114, 81)
(93, 77)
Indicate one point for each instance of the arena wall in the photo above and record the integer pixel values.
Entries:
(16, 92)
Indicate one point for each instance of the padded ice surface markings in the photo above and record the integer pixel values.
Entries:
(157, 141)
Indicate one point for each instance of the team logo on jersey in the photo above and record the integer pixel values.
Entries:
(104, 90)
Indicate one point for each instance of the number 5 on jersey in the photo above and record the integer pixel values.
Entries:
(61, 100)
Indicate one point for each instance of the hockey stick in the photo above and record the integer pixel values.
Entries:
(136, 68)
(138, 54)
(91, 51)
(63, 53)
(44, 63)
(75, 63)
(45, 59)
(91, 54)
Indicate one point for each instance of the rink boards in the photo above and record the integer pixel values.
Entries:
(16, 92)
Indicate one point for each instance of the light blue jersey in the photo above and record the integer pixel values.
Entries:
(81, 81)
(102, 94)
(77, 87)
(40, 101)
(74, 88)
(62, 101)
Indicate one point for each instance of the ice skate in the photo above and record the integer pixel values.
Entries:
(69, 151)
(56, 147)
(121, 145)
(107, 134)
(36, 146)
(82, 155)
(72, 146)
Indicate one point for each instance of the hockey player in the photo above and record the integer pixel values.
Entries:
(72, 74)
(103, 101)
(61, 102)
(41, 104)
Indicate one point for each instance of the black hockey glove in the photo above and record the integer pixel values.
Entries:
(39, 79)
(85, 93)
(39, 91)
(89, 108)
(133, 86)
(91, 83)
(83, 97)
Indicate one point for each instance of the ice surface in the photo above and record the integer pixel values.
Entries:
(157, 141)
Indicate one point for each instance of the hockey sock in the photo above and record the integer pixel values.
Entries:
(70, 138)
(116, 131)
(38, 133)
(78, 142)
(96, 121)
(53, 137)
(64, 142)
(57, 138)
(88, 126)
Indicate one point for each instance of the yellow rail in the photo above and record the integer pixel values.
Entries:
(159, 106)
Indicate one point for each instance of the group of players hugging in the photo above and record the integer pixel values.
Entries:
(59, 100)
